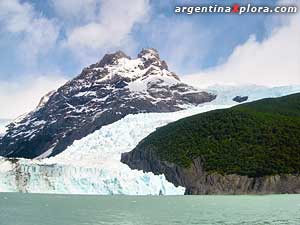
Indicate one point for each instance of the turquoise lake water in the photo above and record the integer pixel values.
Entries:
(35, 209)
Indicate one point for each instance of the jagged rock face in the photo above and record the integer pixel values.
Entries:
(198, 182)
(102, 94)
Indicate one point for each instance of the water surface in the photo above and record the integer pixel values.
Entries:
(36, 209)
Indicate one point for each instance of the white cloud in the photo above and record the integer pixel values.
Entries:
(76, 11)
(37, 33)
(17, 98)
(182, 43)
(88, 28)
(111, 27)
(40, 37)
(35, 36)
(273, 62)
(15, 17)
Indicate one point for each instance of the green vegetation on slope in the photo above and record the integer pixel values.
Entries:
(254, 139)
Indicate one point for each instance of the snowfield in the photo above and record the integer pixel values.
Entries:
(92, 165)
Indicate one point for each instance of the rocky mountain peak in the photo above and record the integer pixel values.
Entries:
(147, 52)
(150, 56)
(101, 94)
(110, 59)
(118, 65)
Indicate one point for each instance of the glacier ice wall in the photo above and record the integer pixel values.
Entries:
(92, 165)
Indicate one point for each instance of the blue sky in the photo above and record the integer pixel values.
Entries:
(44, 43)
(200, 41)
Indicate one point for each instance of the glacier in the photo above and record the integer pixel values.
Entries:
(92, 164)
(225, 93)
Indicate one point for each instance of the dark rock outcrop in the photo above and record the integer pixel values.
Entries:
(198, 182)
(101, 94)
(240, 99)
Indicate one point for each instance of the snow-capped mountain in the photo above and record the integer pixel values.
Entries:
(102, 94)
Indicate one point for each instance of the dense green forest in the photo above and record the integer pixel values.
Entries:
(255, 139)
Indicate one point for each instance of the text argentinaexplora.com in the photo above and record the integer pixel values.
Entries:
(236, 8)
